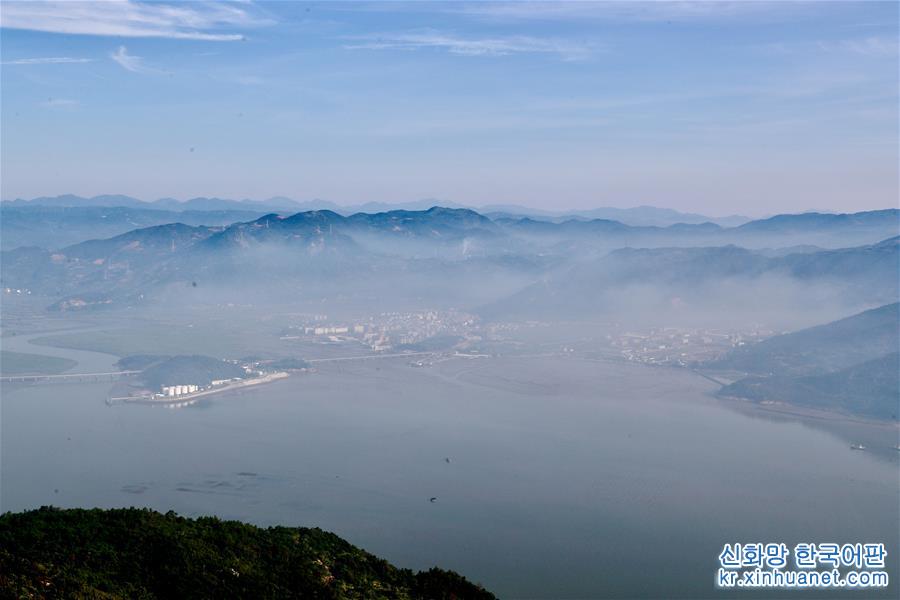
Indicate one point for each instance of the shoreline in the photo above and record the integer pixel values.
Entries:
(795, 410)
(176, 400)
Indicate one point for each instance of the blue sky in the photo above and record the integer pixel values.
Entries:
(724, 107)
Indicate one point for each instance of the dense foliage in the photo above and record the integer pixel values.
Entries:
(140, 553)
(288, 364)
(139, 362)
(195, 369)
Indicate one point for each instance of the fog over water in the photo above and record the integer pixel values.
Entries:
(554, 409)
(559, 298)
(552, 476)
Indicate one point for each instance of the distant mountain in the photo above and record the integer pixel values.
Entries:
(826, 231)
(171, 204)
(378, 207)
(456, 255)
(106, 200)
(436, 225)
(636, 216)
(278, 204)
(851, 365)
(821, 228)
(816, 350)
(52, 227)
(869, 389)
(687, 278)
(638, 226)
(789, 223)
(640, 215)
(309, 252)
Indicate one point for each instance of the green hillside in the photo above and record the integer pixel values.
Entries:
(196, 369)
(870, 389)
(817, 350)
(140, 553)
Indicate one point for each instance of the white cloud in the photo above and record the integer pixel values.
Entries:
(249, 80)
(130, 18)
(127, 61)
(873, 46)
(50, 60)
(870, 46)
(625, 10)
(485, 46)
(59, 103)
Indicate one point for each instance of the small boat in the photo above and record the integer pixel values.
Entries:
(857, 447)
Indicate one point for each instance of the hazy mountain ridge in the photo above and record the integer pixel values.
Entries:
(851, 365)
(799, 222)
(639, 215)
(818, 229)
(694, 276)
(170, 204)
(576, 266)
(816, 350)
(54, 227)
(869, 389)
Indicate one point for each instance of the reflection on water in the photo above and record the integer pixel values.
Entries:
(566, 478)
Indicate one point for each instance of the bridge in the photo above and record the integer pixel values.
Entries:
(68, 377)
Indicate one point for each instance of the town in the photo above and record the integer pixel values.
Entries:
(684, 347)
(389, 330)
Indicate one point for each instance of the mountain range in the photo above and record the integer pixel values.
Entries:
(729, 278)
(640, 215)
(53, 227)
(56, 222)
(518, 267)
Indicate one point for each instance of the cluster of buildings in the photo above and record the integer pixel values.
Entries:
(386, 330)
(174, 391)
(339, 330)
(682, 347)
(178, 390)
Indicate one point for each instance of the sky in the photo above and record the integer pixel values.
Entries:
(719, 108)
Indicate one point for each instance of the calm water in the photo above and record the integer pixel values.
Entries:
(567, 478)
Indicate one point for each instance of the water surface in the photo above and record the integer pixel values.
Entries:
(566, 478)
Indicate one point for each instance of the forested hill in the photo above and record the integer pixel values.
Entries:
(140, 553)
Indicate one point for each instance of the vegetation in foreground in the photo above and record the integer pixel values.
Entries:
(140, 553)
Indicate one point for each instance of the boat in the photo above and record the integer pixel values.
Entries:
(857, 447)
